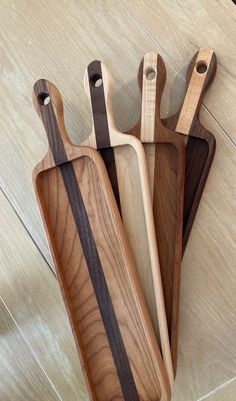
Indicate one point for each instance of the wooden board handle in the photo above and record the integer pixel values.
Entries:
(98, 86)
(200, 74)
(151, 78)
(49, 106)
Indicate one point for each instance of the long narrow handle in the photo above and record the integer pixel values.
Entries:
(151, 78)
(98, 84)
(200, 75)
(49, 106)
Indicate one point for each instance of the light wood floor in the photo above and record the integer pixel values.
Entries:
(56, 40)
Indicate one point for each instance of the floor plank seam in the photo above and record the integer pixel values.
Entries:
(167, 57)
(217, 389)
(28, 232)
(31, 350)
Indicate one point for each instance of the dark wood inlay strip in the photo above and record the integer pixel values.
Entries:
(99, 283)
(98, 105)
(101, 127)
(50, 123)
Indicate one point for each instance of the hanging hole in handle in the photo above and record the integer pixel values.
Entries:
(44, 98)
(201, 67)
(150, 73)
(96, 80)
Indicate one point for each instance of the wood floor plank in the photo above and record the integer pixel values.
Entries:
(21, 377)
(181, 28)
(227, 393)
(31, 292)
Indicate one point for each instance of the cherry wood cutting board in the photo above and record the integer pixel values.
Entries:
(200, 143)
(165, 154)
(125, 161)
(112, 328)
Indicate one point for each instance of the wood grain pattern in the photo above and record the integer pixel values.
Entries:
(100, 289)
(31, 293)
(131, 185)
(199, 77)
(36, 58)
(165, 154)
(100, 138)
(179, 37)
(108, 31)
(200, 143)
(227, 391)
(207, 346)
(21, 376)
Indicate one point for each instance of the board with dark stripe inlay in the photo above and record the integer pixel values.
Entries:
(126, 165)
(112, 329)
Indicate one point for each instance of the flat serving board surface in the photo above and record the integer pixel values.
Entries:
(109, 319)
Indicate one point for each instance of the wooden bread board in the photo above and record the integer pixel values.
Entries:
(112, 329)
(165, 152)
(125, 161)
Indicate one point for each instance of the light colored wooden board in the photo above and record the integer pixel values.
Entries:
(226, 392)
(21, 376)
(31, 292)
(172, 27)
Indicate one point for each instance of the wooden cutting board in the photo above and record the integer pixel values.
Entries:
(200, 143)
(112, 329)
(125, 161)
(165, 154)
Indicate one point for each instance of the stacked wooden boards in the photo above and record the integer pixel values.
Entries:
(178, 166)
(107, 248)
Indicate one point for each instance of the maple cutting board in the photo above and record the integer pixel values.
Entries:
(112, 329)
(125, 161)
(165, 154)
(200, 143)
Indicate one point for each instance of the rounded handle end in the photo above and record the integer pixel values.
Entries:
(203, 66)
(151, 78)
(45, 93)
(49, 106)
(98, 87)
